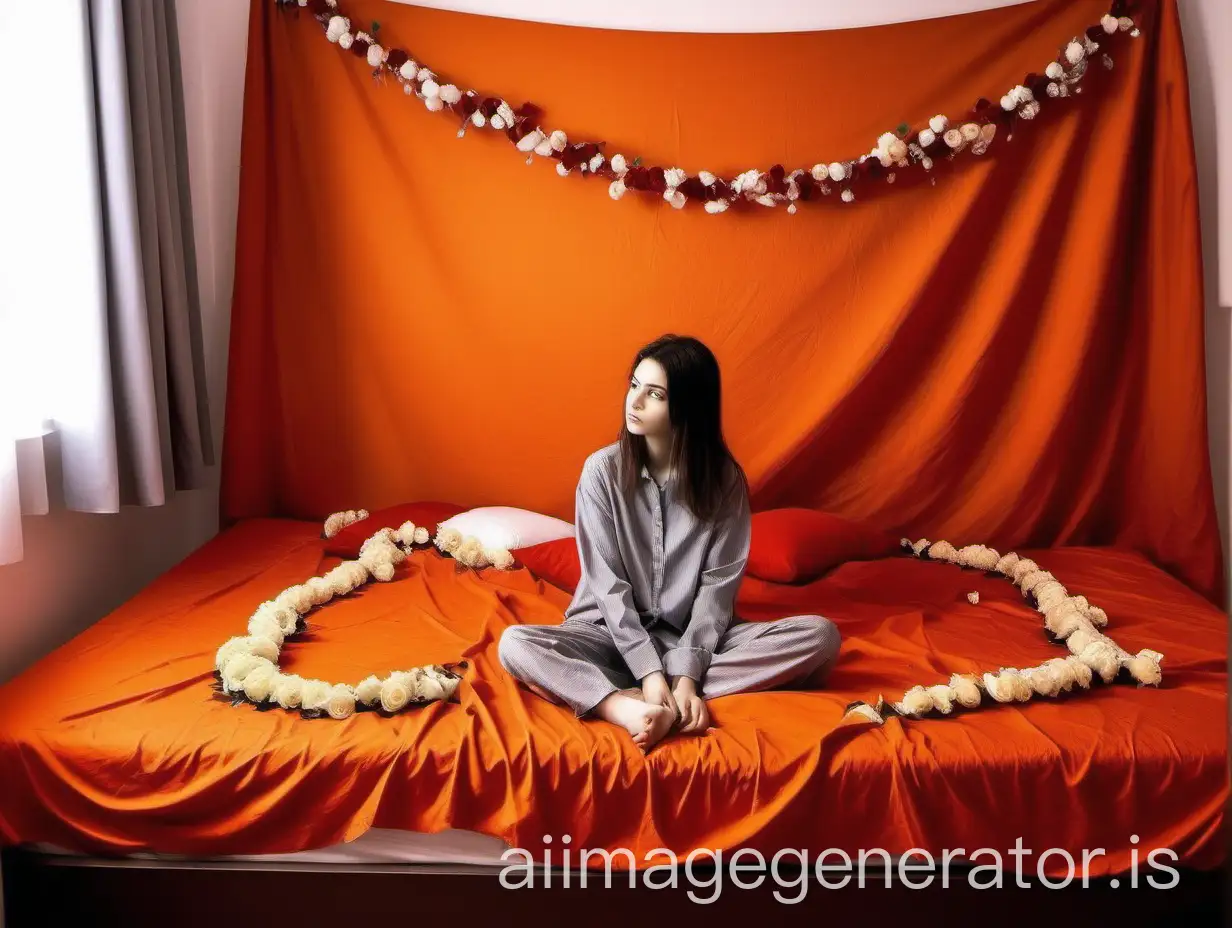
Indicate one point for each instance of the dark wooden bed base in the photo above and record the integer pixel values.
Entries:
(41, 889)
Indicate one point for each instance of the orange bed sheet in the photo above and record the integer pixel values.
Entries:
(117, 743)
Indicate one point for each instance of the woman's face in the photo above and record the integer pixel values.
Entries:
(646, 409)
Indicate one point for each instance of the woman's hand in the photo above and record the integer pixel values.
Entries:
(656, 691)
(694, 716)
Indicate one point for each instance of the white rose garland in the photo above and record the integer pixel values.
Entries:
(894, 151)
(247, 669)
(1071, 620)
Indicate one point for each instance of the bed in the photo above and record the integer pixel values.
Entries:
(118, 746)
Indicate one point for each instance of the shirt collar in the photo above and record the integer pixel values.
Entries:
(670, 481)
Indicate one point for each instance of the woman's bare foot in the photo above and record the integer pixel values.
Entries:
(646, 723)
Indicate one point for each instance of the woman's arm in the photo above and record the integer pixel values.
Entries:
(604, 571)
(714, 604)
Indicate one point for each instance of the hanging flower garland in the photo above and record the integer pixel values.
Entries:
(1070, 620)
(903, 152)
(247, 667)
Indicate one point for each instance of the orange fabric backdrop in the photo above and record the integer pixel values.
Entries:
(1012, 356)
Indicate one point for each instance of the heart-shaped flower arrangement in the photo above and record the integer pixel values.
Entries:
(1070, 620)
(247, 667)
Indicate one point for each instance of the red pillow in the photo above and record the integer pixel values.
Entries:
(347, 542)
(554, 561)
(799, 545)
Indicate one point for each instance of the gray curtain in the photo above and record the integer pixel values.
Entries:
(159, 406)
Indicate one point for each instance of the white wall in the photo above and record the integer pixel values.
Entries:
(1206, 25)
(80, 566)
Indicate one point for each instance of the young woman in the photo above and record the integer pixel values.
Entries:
(663, 536)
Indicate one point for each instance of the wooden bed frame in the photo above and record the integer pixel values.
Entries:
(41, 889)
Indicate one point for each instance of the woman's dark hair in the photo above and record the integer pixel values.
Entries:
(708, 475)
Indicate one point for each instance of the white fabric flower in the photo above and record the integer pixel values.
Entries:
(561, 169)
(544, 148)
(820, 172)
(451, 94)
(927, 162)
(408, 89)
(927, 137)
(791, 209)
(616, 189)
(409, 70)
(1029, 110)
(362, 36)
(338, 26)
(230, 648)
(1008, 103)
(706, 178)
(345, 41)
(376, 56)
(421, 536)
(320, 589)
(765, 200)
(837, 171)
(1110, 23)
(884, 141)
(559, 140)
(505, 112)
(430, 88)
(970, 131)
(716, 206)
(619, 164)
(369, 690)
(1075, 52)
(847, 195)
(497, 122)
(954, 139)
(674, 197)
(530, 140)
(938, 124)
(425, 75)
(434, 104)
(1125, 23)
(675, 177)
(898, 151)
(596, 162)
(1054, 71)
(478, 119)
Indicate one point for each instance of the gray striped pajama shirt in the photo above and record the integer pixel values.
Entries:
(657, 593)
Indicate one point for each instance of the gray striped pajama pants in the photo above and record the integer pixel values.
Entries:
(578, 661)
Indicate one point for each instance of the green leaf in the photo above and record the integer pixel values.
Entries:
(637, 161)
(903, 129)
(376, 27)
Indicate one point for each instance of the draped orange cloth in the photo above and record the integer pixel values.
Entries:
(116, 742)
(1012, 356)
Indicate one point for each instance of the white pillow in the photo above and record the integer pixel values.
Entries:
(505, 527)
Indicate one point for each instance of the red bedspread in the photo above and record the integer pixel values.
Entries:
(116, 742)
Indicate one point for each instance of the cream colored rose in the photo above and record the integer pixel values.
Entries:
(1144, 667)
(916, 702)
(1023, 567)
(230, 648)
(259, 682)
(1049, 594)
(943, 551)
(716, 206)
(421, 536)
(314, 694)
(237, 668)
(531, 140)
(1006, 564)
(980, 557)
(1102, 658)
(942, 697)
(394, 693)
(369, 690)
(502, 560)
(320, 589)
(264, 625)
(288, 691)
(938, 124)
(341, 702)
(966, 692)
(1082, 673)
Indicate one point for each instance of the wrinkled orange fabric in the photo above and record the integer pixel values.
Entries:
(1013, 356)
(117, 743)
